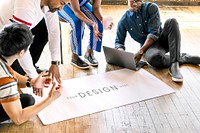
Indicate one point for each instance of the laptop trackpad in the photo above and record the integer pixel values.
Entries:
(140, 64)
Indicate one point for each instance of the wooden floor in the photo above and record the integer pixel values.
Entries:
(175, 113)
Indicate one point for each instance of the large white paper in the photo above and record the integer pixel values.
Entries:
(90, 94)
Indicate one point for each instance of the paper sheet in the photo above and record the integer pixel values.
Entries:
(95, 93)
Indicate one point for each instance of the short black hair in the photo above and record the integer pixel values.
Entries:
(137, 0)
(14, 37)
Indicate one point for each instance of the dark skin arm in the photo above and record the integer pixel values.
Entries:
(76, 8)
(153, 27)
(97, 9)
(146, 45)
(54, 70)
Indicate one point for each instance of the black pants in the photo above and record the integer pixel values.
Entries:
(39, 41)
(169, 41)
(26, 100)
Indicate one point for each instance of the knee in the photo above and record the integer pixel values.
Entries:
(171, 22)
(154, 60)
(30, 100)
(27, 100)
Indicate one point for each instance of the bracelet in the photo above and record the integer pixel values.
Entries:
(141, 52)
(28, 82)
(57, 63)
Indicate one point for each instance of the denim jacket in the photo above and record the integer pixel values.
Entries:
(143, 24)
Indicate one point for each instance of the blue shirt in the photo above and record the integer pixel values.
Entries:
(143, 24)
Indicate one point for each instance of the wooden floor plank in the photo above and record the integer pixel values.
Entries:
(110, 125)
(174, 113)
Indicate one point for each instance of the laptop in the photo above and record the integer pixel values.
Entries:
(122, 58)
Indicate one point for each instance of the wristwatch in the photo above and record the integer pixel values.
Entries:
(141, 52)
(57, 63)
(28, 82)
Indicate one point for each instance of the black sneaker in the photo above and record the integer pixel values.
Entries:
(79, 63)
(91, 60)
(189, 59)
(39, 70)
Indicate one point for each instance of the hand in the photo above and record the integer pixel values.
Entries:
(54, 70)
(96, 32)
(138, 56)
(39, 83)
(121, 49)
(55, 91)
(108, 23)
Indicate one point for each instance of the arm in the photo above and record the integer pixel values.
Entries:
(76, 9)
(54, 41)
(97, 9)
(25, 15)
(154, 22)
(21, 80)
(148, 42)
(154, 29)
(19, 115)
(26, 63)
(37, 83)
(120, 34)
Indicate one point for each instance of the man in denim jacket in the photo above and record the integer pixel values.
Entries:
(142, 22)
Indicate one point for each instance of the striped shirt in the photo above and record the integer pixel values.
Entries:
(8, 84)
